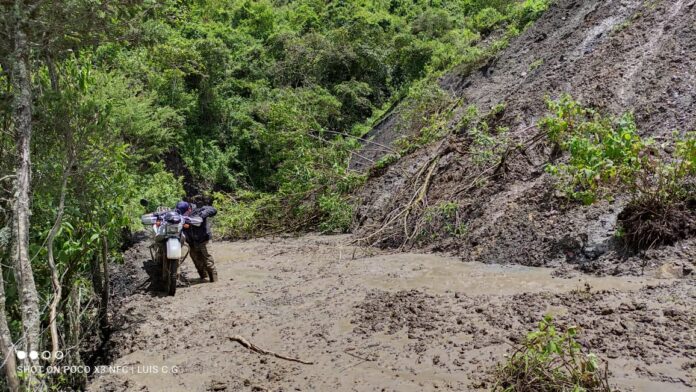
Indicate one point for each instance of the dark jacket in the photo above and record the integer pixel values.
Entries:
(199, 234)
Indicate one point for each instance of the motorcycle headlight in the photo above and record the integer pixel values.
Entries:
(148, 219)
(172, 229)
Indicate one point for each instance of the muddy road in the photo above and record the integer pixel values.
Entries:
(372, 321)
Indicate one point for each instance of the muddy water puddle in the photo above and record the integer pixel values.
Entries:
(442, 274)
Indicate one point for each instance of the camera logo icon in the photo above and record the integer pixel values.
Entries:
(34, 355)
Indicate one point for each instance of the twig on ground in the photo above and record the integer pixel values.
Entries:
(251, 346)
(358, 356)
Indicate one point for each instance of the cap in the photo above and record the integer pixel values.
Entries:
(182, 207)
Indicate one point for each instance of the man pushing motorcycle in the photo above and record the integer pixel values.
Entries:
(198, 238)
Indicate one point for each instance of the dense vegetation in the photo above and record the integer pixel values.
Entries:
(255, 104)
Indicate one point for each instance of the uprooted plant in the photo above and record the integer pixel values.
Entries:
(608, 157)
(551, 360)
(482, 148)
(440, 221)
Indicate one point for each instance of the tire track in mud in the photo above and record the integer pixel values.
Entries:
(375, 321)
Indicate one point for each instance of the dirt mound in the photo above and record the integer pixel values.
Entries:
(651, 326)
(412, 310)
(617, 56)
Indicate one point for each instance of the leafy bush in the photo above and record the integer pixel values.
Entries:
(159, 187)
(337, 214)
(243, 216)
(381, 166)
(527, 11)
(442, 221)
(550, 360)
(607, 157)
(663, 207)
(424, 116)
(210, 165)
(487, 145)
(433, 23)
(488, 19)
(605, 153)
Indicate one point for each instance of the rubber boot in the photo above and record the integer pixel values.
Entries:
(202, 274)
(212, 274)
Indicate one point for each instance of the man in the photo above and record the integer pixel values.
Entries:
(198, 238)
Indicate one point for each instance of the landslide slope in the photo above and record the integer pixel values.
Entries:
(616, 56)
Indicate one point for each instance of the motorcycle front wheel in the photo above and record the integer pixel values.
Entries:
(169, 274)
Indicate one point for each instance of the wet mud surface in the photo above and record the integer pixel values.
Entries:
(372, 321)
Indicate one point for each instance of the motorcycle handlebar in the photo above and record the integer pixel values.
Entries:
(149, 219)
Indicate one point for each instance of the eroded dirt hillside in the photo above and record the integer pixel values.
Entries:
(617, 56)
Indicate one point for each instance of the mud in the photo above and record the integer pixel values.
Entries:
(374, 321)
(617, 56)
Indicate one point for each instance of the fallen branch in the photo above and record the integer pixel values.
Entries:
(251, 346)
(347, 351)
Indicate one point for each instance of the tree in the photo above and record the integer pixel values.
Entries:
(56, 28)
(20, 78)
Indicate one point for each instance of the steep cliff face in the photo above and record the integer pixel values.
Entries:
(617, 56)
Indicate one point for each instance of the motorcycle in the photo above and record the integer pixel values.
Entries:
(169, 239)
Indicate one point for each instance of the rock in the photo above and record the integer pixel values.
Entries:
(628, 325)
(671, 270)
(217, 386)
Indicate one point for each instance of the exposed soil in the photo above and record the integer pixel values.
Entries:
(372, 321)
(616, 56)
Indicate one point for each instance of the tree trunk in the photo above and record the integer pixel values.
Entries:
(104, 306)
(71, 315)
(52, 73)
(6, 346)
(29, 299)
(95, 265)
(55, 276)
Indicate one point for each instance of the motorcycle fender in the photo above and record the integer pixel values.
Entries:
(173, 248)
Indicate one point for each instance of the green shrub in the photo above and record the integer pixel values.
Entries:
(551, 360)
(487, 20)
(381, 166)
(337, 214)
(424, 116)
(433, 23)
(607, 157)
(210, 165)
(525, 12)
(442, 221)
(536, 64)
(245, 216)
(605, 153)
(487, 147)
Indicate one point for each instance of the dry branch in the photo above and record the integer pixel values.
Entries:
(251, 346)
